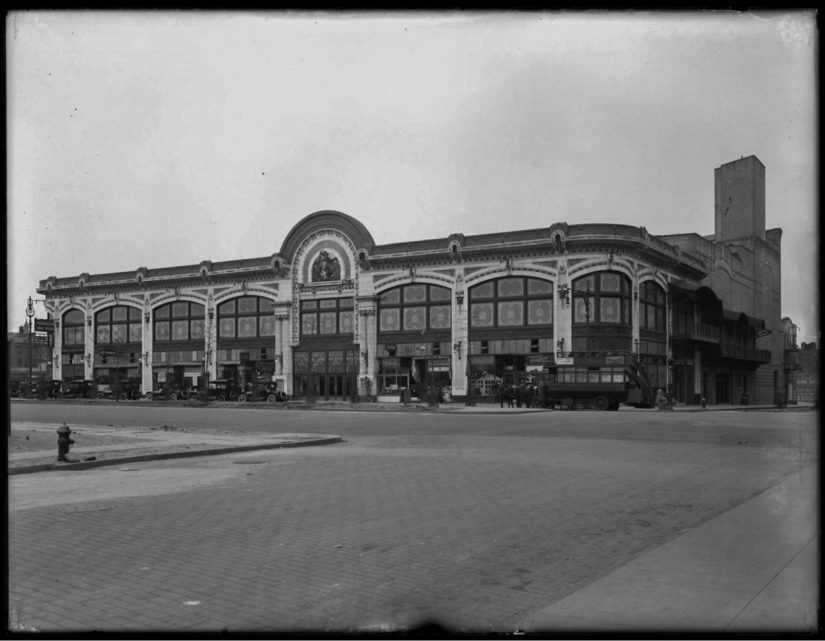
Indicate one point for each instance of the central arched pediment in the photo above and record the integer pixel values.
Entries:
(358, 234)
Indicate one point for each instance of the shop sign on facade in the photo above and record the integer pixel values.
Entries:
(538, 363)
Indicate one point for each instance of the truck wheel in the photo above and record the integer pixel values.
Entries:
(99, 395)
(123, 396)
(271, 398)
(173, 396)
(601, 403)
(148, 396)
(221, 397)
(242, 398)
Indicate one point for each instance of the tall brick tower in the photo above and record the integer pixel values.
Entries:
(740, 199)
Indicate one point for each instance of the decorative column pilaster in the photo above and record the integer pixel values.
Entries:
(636, 319)
(210, 355)
(89, 345)
(57, 350)
(460, 336)
(368, 341)
(146, 351)
(563, 312)
(283, 346)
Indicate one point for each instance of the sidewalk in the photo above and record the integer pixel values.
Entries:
(752, 569)
(149, 445)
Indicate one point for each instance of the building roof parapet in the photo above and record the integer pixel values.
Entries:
(592, 236)
(159, 276)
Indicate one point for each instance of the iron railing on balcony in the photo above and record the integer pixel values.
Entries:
(697, 331)
(742, 353)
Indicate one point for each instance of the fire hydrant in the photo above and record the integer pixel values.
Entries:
(63, 442)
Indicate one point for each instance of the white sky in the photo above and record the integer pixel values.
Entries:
(166, 138)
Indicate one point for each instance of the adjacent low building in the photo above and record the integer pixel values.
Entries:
(333, 315)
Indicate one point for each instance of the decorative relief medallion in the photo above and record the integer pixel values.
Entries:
(325, 268)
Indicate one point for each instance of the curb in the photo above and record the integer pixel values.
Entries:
(85, 465)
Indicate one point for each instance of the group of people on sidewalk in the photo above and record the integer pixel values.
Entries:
(525, 394)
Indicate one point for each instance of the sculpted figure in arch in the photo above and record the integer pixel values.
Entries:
(325, 267)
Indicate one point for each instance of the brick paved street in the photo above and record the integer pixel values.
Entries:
(473, 529)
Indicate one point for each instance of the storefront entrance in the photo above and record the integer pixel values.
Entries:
(325, 386)
(325, 375)
(722, 388)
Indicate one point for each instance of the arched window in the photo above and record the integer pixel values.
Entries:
(246, 317)
(118, 324)
(602, 299)
(414, 308)
(180, 321)
(73, 324)
(652, 307)
(602, 316)
(512, 302)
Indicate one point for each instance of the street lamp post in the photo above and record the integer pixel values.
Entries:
(30, 314)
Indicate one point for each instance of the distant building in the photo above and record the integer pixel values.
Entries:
(791, 364)
(18, 356)
(333, 315)
(807, 380)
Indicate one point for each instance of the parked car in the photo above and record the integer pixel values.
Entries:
(54, 389)
(102, 390)
(23, 389)
(223, 390)
(78, 389)
(131, 389)
(169, 391)
(262, 392)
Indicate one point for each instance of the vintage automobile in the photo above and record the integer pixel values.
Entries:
(171, 392)
(223, 390)
(54, 389)
(262, 392)
(125, 389)
(78, 389)
(130, 389)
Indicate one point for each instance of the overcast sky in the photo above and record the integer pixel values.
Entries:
(157, 139)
